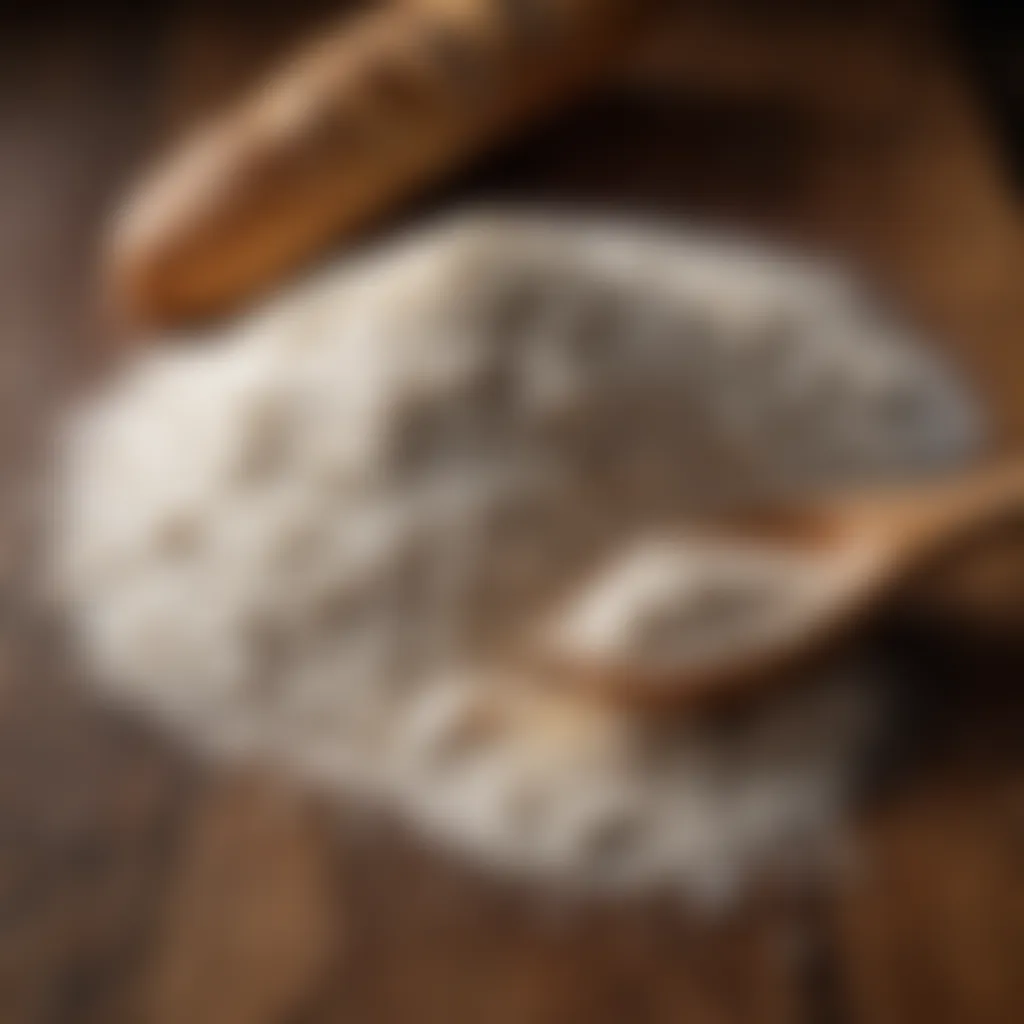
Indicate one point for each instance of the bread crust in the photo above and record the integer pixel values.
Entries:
(368, 114)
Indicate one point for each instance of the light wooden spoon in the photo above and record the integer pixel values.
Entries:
(855, 554)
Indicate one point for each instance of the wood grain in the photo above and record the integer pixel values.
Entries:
(137, 886)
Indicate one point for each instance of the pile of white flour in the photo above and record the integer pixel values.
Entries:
(324, 533)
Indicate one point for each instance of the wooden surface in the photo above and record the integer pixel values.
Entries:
(137, 886)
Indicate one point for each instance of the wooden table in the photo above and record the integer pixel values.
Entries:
(137, 886)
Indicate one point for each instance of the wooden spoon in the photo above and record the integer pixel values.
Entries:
(855, 555)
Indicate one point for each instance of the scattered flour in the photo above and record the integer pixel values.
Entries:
(322, 534)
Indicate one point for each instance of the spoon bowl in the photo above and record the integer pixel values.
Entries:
(849, 558)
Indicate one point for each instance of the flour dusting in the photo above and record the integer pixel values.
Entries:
(323, 534)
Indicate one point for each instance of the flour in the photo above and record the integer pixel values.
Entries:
(323, 534)
(672, 604)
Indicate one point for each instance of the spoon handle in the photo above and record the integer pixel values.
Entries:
(932, 523)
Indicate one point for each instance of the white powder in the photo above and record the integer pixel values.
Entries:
(324, 534)
(669, 604)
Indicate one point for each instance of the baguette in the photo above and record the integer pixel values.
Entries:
(363, 118)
